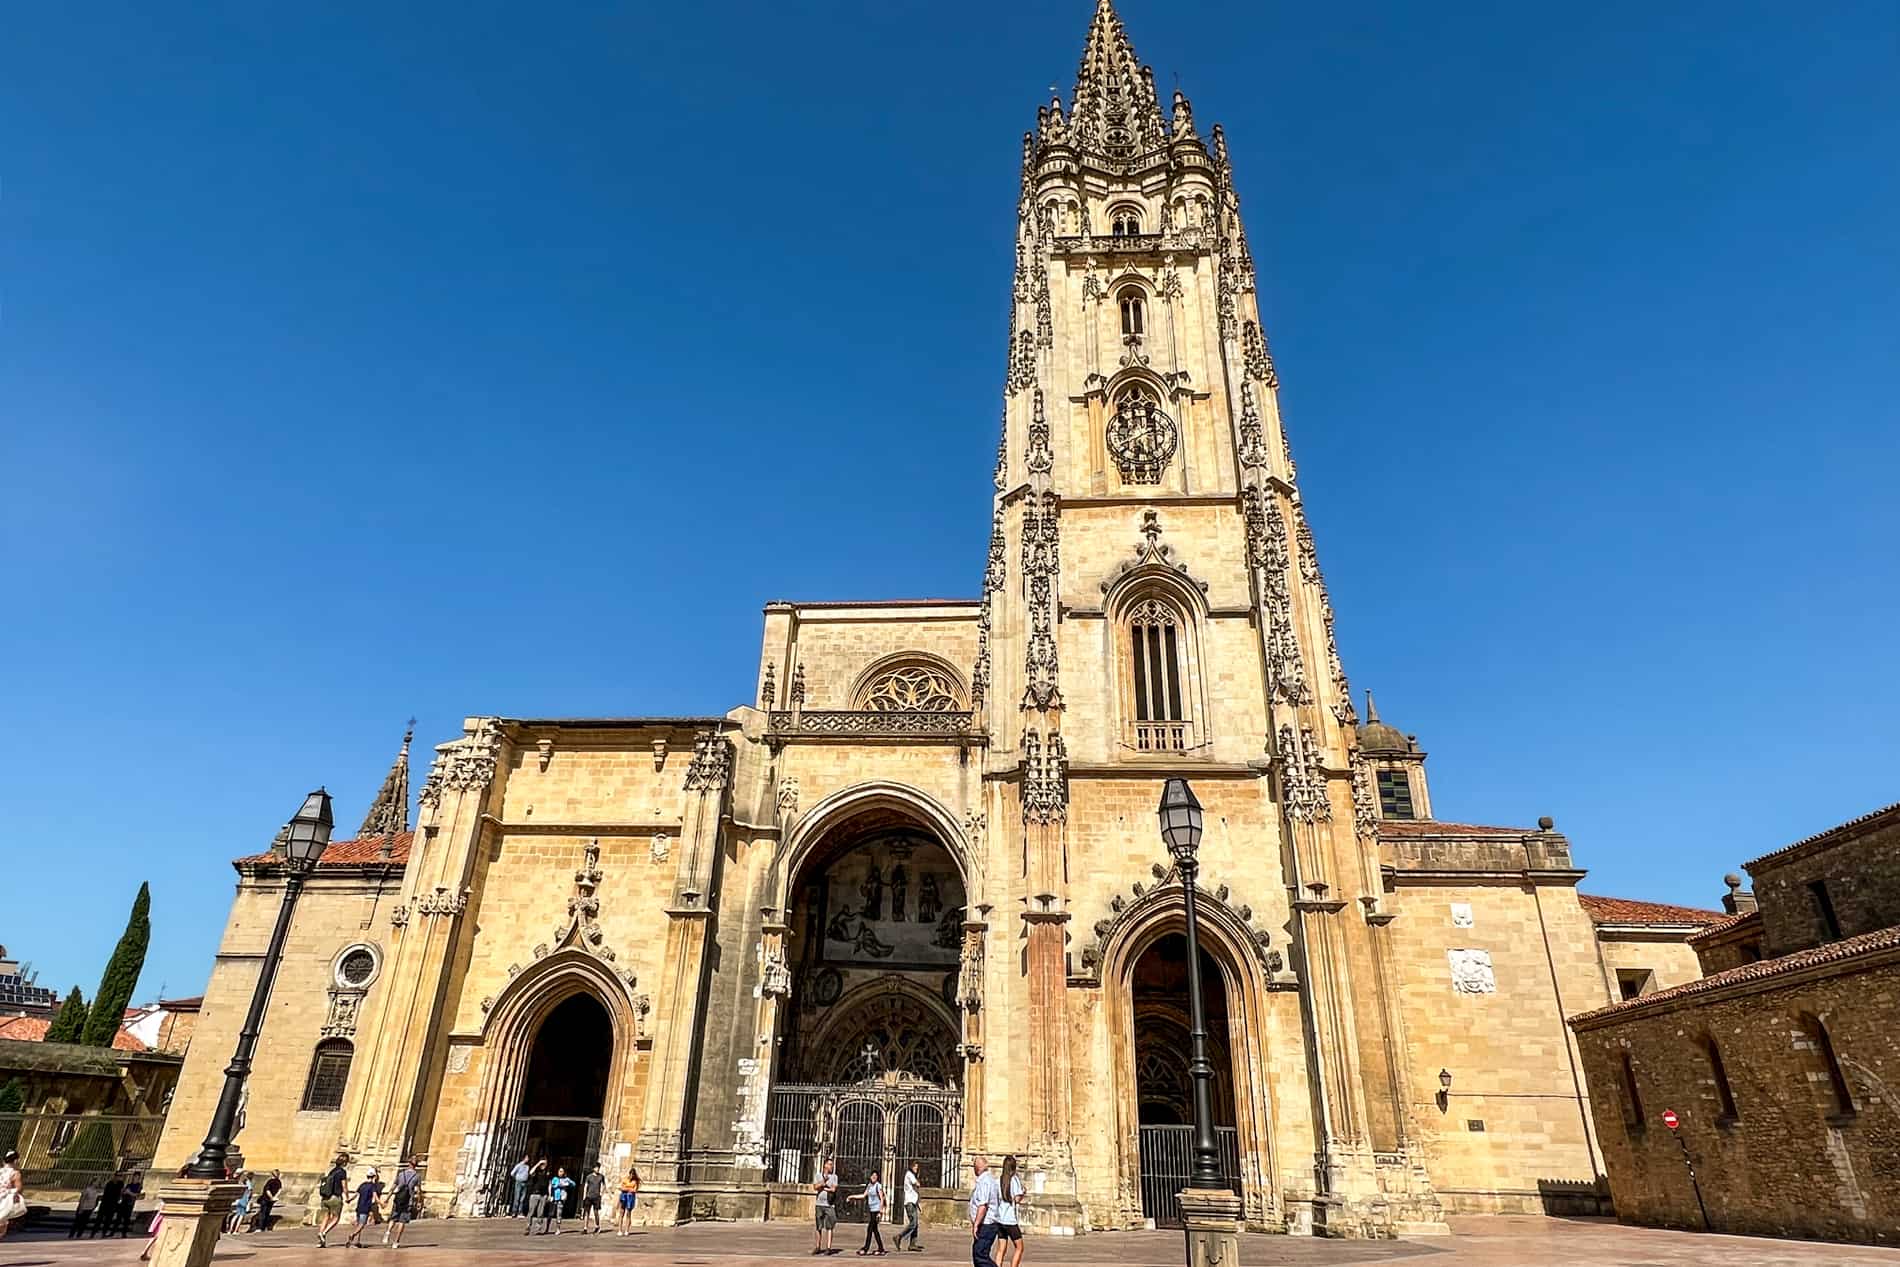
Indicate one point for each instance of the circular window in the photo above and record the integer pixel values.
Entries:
(357, 967)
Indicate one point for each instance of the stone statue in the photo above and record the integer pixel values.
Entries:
(872, 891)
(900, 887)
(929, 901)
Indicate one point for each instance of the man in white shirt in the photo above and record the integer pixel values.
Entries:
(825, 1209)
(984, 1198)
(911, 1204)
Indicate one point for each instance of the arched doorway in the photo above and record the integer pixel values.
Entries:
(869, 1057)
(564, 1088)
(1158, 988)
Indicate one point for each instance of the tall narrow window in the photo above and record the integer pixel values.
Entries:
(329, 1074)
(1836, 1076)
(1724, 1095)
(1125, 222)
(1395, 795)
(1632, 1098)
(1155, 636)
(1830, 922)
(1131, 313)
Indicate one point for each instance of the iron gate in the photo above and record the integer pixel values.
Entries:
(537, 1138)
(1167, 1158)
(882, 1124)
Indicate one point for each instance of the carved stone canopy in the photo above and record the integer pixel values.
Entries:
(1151, 552)
(1166, 887)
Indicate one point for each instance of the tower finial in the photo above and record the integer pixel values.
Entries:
(1114, 111)
(1372, 709)
(389, 812)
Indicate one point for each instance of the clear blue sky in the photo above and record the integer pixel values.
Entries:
(359, 361)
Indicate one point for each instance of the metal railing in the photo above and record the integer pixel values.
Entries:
(65, 1150)
(866, 1126)
(1161, 736)
(1167, 1159)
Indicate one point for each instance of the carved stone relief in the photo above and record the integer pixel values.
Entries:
(1471, 972)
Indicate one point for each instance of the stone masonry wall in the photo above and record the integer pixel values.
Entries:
(1862, 874)
(1788, 1164)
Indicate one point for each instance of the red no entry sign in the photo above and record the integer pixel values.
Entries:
(1670, 1119)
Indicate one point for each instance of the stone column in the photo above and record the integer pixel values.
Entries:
(194, 1217)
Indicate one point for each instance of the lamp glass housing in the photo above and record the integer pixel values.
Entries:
(309, 833)
(1180, 815)
(1444, 1079)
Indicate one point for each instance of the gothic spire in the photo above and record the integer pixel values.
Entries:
(1114, 110)
(389, 812)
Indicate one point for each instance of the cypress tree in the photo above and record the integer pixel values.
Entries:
(70, 1025)
(12, 1096)
(121, 975)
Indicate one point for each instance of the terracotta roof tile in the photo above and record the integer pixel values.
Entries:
(32, 1029)
(1725, 924)
(1832, 952)
(350, 852)
(1623, 910)
(1432, 827)
(1850, 828)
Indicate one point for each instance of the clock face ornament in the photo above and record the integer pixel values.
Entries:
(1141, 438)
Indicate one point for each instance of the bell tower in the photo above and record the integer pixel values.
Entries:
(1153, 602)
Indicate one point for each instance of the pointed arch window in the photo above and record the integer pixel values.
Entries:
(1724, 1094)
(1134, 325)
(1157, 636)
(329, 1075)
(1823, 1044)
(1125, 222)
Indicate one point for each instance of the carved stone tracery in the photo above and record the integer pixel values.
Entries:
(911, 688)
(1141, 438)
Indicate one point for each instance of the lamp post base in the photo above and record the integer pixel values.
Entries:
(1212, 1219)
(195, 1211)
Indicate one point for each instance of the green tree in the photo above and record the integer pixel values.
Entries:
(70, 1025)
(12, 1096)
(121, 975)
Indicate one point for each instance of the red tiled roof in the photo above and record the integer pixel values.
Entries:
(1725, 924)
(1432, 827)
(1832, 952)
(1852, 827)
(349, 852)
(192, 1004)
(32, 1029)
(1623, 910)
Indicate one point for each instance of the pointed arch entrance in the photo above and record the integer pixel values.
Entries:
(869, 1057)
(1164, 1111)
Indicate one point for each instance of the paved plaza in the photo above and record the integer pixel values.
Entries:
(1477, 1242)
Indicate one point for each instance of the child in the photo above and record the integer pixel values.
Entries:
(368, 1193)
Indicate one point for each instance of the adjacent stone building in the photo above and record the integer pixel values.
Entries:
(1782, 1064)
(908, 901)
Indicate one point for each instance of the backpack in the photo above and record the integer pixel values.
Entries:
(331, 1189)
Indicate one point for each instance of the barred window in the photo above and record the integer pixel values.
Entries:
(329, 1074)
(1156, 639)
(1395, 795)
(1132, 312)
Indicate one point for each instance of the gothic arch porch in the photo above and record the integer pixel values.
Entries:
(1242, 1101)
(871, 1039)
(546, 1081)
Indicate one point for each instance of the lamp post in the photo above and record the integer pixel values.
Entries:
(1180, 815)
(307, 836)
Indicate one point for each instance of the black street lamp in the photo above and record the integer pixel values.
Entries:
(306, 838)
(1181, 829)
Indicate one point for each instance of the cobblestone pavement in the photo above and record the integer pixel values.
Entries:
(1476, 1242)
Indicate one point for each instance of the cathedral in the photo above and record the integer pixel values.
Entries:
(908, 901)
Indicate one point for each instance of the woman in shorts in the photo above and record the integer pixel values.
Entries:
(623, 1209)
(1009, 1214)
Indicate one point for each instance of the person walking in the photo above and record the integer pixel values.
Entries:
(629, 1194)
(368, 1194)
(1009, 1222)
(558, 1188)
(825, 1214)
(873, 1198)
(332, 1191)
(267, 1201)
(593, 1183)
(129, 1202)
(82, 1213)
(537, 1195)
(519, 1173)
(404, 1199)
(108, 1208)
(234, 1221)
(12, 1195)
(913, 1204)
(985, 1196)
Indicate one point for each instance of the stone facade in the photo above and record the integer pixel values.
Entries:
(926, 842)
(1777, 1064)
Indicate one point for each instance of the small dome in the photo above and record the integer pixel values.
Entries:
(1377, 736)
